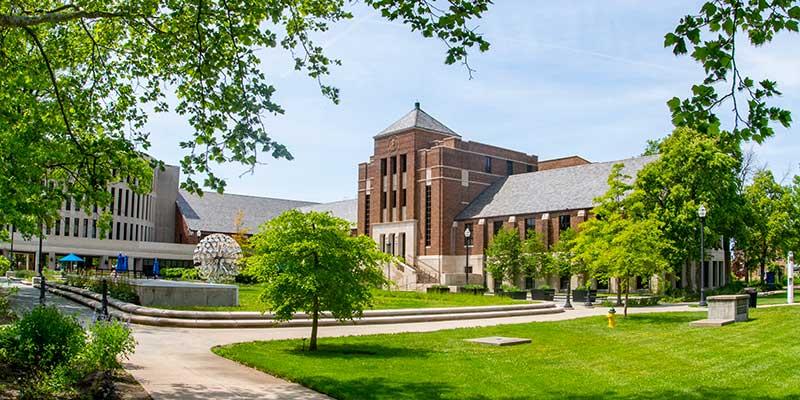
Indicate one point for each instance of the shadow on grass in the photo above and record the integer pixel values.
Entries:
(384, 388)
(351, 350)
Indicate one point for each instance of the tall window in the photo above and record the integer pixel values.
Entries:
(127, 201)
(118, 234)
(94, 229)
(393, 164)
(66, 226)
(403, 163)
(403, 198)
(119, 202)
(427, 216)
(468, 240)
(509, 167)
(530, 227)
(75, 227)
(124, 231)
(563, 222)
(383, 200)
(58, 228)
(497, 226)
(487, 165)
(402, 240)
(68, 202)
(383, 167)
(366, 214)
(85, 227)
(393, 199)
(113, 197)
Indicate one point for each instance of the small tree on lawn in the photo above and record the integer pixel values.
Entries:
(563, 258)
(504, 256)
(536, 259)
(310, 263)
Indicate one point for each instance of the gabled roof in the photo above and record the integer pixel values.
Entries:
(416, 119)
(214, 212)
(569, 188)
(344, 209)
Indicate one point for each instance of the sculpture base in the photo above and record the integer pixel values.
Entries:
(164, 293)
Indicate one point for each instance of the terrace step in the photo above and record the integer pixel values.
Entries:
(209, 319)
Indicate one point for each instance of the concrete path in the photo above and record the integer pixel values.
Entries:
(27, 298)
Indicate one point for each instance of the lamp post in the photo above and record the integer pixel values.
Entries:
(41, 271)
(701, 212)
(467, 236)
(790, 278)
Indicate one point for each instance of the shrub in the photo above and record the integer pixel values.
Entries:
(77, 280)
(5, 265)
(511, 289)
(119, 289)
(190, 274)
(544, 287)
(474, 287)
(24, 274)
(6, 314)
(171, 273)
(42, 340)
(108, 342)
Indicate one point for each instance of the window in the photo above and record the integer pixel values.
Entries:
(383, 167)
(113, 197)
(563, 222)
(75, 227)
(390, 244)
(393, 199)
(403, 198)
(382, 242)
(68, 202)
(402, 241)
(509, 167)
(138, 205)
(383, 200)
(47, 231)
(427, 216)
(77, 204)
(119, 202)
(403, 163)
(119, 236)
(85, 227)
(530, 227)
(136, 232)
(487, 165)
(125, 231)
(127, 201)
(393, 164)
(58, 228)
(529, 168)
(469, 240)
(366, 214)
(94, 229)
(497, 226)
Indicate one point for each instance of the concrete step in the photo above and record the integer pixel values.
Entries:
(235, 320)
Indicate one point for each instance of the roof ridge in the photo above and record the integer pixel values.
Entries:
(249, 195)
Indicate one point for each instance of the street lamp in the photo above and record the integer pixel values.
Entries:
(701, 212)
(467, 268)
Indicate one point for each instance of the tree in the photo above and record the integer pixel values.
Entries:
(310, 263)
(712, 37)
(535, 257)
(81, 77)
(623, 241)
(563, 260)
(692, 169)
(504, 256)
(768, 220)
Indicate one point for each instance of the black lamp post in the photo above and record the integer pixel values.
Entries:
(701, 212)
(41, 271)
(467, 268)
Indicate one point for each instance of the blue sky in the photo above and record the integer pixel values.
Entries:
(581, 77)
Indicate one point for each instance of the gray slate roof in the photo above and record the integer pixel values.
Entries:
(558, 189)
(416, 119)
(344, 209)
(214, 212)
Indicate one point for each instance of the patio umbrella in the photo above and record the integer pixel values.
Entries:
(71, 258)
(156, 268)
(121, 267)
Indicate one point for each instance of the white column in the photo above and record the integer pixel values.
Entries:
(790, 278)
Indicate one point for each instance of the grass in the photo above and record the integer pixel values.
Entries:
(383, 299)
(648, 356)
(778, 298)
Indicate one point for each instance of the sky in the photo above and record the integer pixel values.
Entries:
(561, 78)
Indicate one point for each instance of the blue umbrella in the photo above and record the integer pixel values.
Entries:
(156, 268)
(121, 267)
(70, 258)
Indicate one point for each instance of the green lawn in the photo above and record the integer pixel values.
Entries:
(778, 298)
(249, 294)
(650, 356)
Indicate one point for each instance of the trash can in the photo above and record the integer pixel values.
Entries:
(753, 296)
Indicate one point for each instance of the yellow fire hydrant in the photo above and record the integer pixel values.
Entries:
(612, 318)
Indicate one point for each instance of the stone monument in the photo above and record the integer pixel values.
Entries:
(724, 310)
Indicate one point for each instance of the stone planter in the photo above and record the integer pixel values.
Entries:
(579, 296)
(472, 291)
(543, 294)
(438, 290)
(515, 295)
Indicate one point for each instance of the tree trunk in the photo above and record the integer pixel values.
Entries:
(619, 292)
(312, 346)
(627, 292)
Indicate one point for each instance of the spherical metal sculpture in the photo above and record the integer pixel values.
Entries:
(217, 256)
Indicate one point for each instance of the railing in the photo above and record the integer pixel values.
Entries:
(426, 273)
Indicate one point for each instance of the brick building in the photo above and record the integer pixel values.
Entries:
(424, 185)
